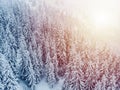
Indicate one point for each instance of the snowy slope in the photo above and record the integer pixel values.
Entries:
(43, 47)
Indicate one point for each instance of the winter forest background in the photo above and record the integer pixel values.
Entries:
(43, 47)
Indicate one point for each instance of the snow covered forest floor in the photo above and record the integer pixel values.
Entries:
(41, 86)
(42, 47)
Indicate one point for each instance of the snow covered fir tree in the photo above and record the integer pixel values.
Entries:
(43, 47)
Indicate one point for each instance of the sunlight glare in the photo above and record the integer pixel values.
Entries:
(101, 20)
(103, 24)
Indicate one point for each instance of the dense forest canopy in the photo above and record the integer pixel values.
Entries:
(43, 42)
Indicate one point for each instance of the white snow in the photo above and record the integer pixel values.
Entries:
(22, 86)
(44, 86)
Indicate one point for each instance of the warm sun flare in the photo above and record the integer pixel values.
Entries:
(103, 24)
(101, 20)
